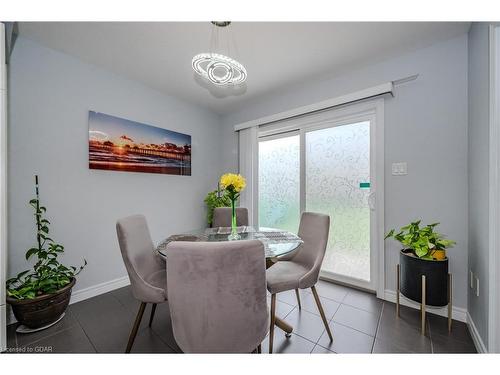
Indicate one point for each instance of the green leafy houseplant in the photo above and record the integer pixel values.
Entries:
(424, 242)
(215, 199)
(47, 275)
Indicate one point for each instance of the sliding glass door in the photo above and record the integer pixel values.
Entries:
(337, 181)
(279, 182)
(325, 164)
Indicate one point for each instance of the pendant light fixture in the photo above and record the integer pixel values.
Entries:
(219, 69)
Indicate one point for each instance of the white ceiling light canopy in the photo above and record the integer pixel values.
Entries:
(219, 69)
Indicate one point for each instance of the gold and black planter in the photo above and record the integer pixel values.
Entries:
(427, 282)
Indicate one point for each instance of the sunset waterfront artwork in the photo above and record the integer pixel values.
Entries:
(124, 145)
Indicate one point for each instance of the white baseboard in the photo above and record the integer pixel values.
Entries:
(476, 337)
(92, 291)
(457, 313)
(86, 293)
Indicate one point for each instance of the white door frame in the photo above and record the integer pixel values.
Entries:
(494, 194)
(374, 111)
(3, 187)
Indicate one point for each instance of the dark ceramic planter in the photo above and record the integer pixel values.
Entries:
(436, 278)
(42, 310)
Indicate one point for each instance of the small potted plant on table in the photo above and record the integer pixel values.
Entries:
(40, 296)
(215, 199)
(422, 273)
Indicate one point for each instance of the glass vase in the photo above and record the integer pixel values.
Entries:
(234, 229)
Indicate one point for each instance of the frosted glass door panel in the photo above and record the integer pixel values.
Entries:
(279, 183)
(337, 177)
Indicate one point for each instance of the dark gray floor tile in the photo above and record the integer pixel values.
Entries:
(408, 339)
(100, 308)
(388, 347)
(284, 345)
(162, 326)
(361, 320)
(403, 332)
(408, 317)
(282, 308)
(364, 301)
(329, 306)
(134, 310)
(71, 340)
(147, 341)
(439, 326)
(110, 338)
(103, 323)
(67, 322)
(147, 314)
(125, 297)
(290, 297)
(318, 349)
(331, 290)
(11, 337)
(346, 340)
(447, 344)
(106, 322)
(305, 324)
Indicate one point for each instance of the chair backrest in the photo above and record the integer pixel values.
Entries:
(217, 295)
(313, 230)
(222, 217)
(138, 255)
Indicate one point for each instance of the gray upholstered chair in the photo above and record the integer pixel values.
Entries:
(218, 296)
(301, 271)
(146, 271)
(222, 217)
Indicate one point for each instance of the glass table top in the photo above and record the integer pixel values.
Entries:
(276, 242)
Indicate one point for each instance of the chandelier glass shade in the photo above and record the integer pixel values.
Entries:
(219, 69)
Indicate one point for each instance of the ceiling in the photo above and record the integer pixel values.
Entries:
(275, 54)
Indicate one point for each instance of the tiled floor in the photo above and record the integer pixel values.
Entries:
(360, 323)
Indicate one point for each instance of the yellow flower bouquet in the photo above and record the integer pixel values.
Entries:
(233, 184)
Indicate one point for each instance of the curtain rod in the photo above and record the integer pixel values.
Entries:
(385, 88)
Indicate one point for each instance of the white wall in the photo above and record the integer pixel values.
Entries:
(425, 125)
(51, 94)
(479, 128)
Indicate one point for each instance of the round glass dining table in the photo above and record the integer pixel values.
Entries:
(276, 243)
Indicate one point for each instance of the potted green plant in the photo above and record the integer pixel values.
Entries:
(215, 199)
(423, 253)
(41, 295)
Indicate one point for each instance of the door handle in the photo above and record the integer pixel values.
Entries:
(372, 201)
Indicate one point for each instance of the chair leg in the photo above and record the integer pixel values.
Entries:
(137, 323)
(298, 298)
(153, 310)
(273, 320)
(321, 312)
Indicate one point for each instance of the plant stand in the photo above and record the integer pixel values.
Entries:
(423, 303)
